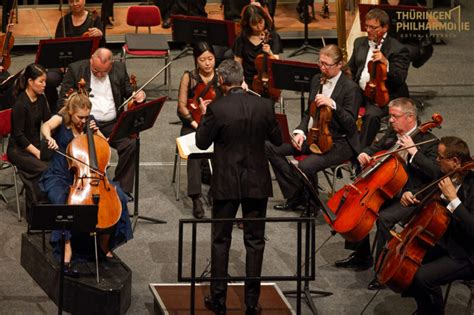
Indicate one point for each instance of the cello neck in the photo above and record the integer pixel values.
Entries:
(91, 144)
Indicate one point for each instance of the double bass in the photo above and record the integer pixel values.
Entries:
(375, 89)
(261, 81)
(319, 136)
(356, 205)
(89, 155)
(404, 253)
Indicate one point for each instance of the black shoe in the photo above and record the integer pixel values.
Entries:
(129, 196)
(214, 306)
(375, 285)
(70, 271)
(198, 210)
(253, 310)
(354, 261)
(294, 203)
(166, 23)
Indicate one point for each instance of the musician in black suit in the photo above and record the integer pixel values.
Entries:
(109, 86)
(453, 257)
(392, 53)
(343, 96)
(238, 124)
(421, 168)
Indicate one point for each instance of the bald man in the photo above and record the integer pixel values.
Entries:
(109, 85)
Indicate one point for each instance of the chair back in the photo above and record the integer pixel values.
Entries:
(5, 122)
(143, 15)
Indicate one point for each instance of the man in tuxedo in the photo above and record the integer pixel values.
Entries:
(421, 168)
(393, 54)
(343, 97)
(453, 257)
(108, 84)
(238, 124)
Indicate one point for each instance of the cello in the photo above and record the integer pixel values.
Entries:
(89, 155)
(319, 137)
(356, 205)
(261, 81)
(375, 89)
(404, 253)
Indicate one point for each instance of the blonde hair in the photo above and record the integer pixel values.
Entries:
(74, 102)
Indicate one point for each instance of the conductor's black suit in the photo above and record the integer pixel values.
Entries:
(239, 124)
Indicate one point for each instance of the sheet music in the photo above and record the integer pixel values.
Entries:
(187, 146)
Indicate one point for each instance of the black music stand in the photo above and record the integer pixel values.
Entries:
(311, 195)
(293, 76)
(82, 218)
(60, 52)
(193, 29)
(306, 47)
(130, 124)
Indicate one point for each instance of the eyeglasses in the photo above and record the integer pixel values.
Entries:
(371, 27)
(98, 73)
(397, 116)
(326, 65)
(439, 157)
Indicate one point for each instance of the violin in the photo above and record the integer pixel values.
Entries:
(7, 41)
(261, 83)
(204, 91)
(356, 205)
(375, 89)
(319, 137)
(404, 253)
(89, 157)
(95, 15)
(133, 82)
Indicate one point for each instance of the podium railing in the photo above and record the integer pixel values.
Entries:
(309, 265)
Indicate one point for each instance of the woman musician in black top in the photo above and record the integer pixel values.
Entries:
(78, 22)
(30, 110)
(198, 86)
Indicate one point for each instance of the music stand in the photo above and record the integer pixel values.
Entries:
(60, 52)
(82, 218)
(193, 29)
(130, 124)
(311, 195)
(293, 76)
(306, 47)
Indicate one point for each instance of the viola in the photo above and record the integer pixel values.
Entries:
(7, 41)
(404, 253)
(204, 91)
(261, 83)
(375, 89)
(319, 136)
(95, 15)
(356, 205)
(133, 82)
(90, 156)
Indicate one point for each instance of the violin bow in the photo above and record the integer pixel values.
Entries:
(375, 157)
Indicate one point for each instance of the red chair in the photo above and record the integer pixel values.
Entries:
(146, 45)
(5, 129)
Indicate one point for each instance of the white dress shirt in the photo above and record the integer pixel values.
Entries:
(102, 99)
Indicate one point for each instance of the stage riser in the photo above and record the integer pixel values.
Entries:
(81, 296)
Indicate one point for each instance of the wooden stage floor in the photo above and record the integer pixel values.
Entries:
(39, 22)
